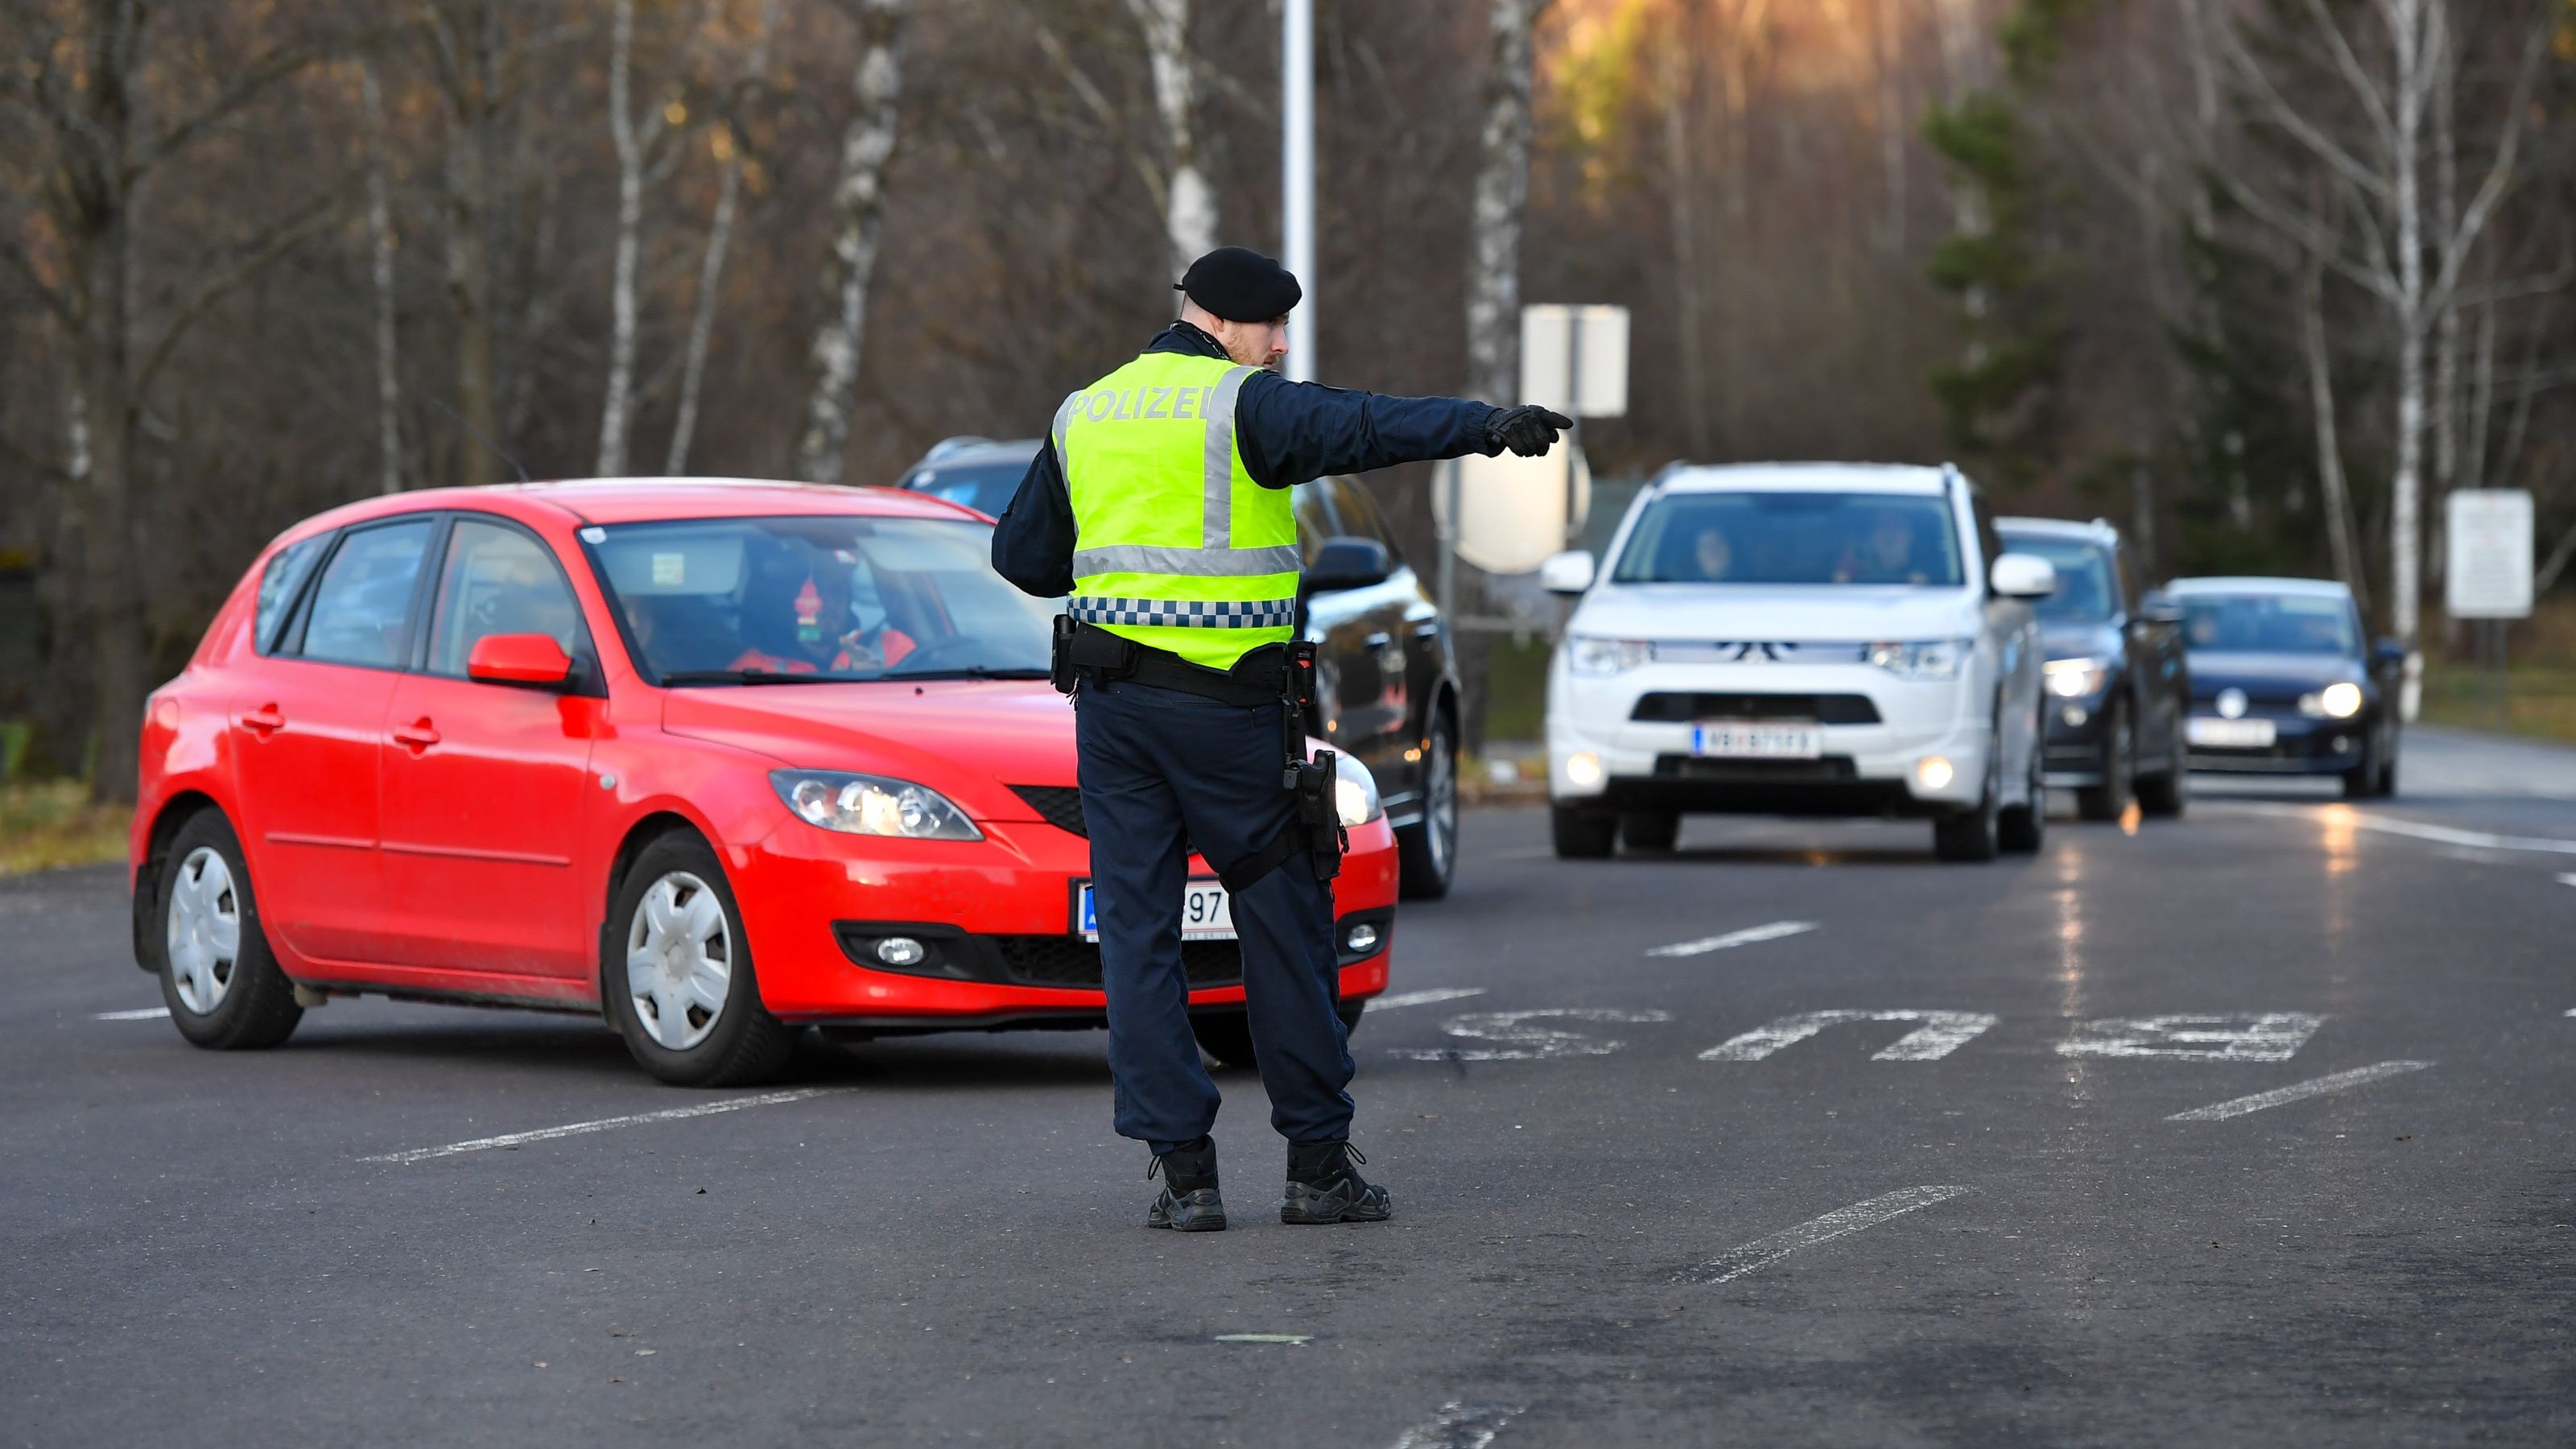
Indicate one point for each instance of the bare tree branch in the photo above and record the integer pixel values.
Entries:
(247, 261)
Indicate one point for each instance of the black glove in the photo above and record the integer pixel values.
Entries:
(1529, 431)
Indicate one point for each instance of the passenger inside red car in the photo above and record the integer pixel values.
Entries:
(797, 619)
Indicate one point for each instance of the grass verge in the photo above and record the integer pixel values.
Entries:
(50, 823)
(2542, 699)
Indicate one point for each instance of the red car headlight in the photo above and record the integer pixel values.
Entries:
(871, 805)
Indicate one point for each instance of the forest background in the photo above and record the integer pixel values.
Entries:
(2259, 280)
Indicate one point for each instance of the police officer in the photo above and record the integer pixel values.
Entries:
(1161, 504)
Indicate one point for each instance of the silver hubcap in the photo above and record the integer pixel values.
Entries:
(679, 960)
(204, 930)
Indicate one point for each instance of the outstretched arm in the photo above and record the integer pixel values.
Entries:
(1295, 432)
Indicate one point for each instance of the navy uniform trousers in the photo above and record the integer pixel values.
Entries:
(1156, 763)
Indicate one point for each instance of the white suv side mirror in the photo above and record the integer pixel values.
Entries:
(2024, 576)
(1569, 572)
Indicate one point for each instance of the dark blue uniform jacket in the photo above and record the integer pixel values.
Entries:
(1288, 433)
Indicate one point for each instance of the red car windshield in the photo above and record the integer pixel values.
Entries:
(791, 600)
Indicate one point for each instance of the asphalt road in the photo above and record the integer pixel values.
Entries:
(1634, 1203)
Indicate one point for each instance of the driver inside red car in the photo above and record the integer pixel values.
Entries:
(797, 620)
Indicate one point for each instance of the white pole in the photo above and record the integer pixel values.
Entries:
(1297, 173)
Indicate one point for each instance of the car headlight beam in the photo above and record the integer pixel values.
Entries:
(1927, 659)
(2076, 678)
(1593, 657)
(854, 804)
(1355, 797)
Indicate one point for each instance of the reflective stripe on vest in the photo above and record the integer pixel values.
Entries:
(1176, 546)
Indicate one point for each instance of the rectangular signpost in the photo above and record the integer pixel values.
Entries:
(2487, 573)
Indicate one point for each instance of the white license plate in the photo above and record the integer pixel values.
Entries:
(1207, 913)
(1757, 740)
(2231, 734)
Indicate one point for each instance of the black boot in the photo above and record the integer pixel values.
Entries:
(1323, 1187)
(1189, 1203)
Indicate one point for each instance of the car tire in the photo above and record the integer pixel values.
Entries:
(1582, 834)
(1350, 1013)
(2023, 828)
(1427, 851)
(1225, 1035)
(1972, 835)
(218, 976)
(2110, 799)
(1654, 830)
(675, 932)
(2388, 769)
(2362, 781)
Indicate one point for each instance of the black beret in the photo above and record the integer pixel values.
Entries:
(1240, 285)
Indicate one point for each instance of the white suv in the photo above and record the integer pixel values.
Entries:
(1811, 639)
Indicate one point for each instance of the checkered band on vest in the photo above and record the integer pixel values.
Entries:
(1186, 613)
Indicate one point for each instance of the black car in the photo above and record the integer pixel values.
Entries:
(2118, 684)
(1389, 678)
(2283, 682)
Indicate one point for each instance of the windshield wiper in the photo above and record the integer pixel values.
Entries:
(970, 671)
(743, 676)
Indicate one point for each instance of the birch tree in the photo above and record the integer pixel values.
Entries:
(2398, 249)
(1189, 202)
(858, 217)
(1502, 191)
(729, 143)
(81, 89)
(380, 271)
(630, 139)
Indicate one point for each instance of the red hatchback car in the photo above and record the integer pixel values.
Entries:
(604, 746)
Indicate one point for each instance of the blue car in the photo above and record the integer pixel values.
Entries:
(2285, 682)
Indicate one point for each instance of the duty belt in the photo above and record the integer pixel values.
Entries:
(1280, 674)
(1259, 677)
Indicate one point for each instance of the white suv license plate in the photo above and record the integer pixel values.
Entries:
(2231, 734)
(1757, 740)
(1207, 913)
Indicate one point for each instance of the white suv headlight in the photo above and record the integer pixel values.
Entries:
(2076, 678)
(1931, 659)
(871, 805)
(1585, 655)
(1355, 796)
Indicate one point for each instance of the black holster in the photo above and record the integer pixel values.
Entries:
(1316, 825)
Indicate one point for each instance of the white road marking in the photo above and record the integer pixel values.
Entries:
(1762, 1252)
(1733, 939)
(1292, 1338)
(2297, 1092)
(604, 1124)
(1459, 1426)
(2567, 877)
(1942, 1033)
(1396, 999)
(147, 1013)
(1518, 1041)
(2419, 830)
(2268, 1036)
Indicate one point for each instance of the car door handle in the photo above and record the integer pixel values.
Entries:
(416, 736)
(264, 720)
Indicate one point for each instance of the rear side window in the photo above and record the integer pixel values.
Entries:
(1359, 511)
(1315, 521)
(362, 606)
(279, 583)
(497, 580)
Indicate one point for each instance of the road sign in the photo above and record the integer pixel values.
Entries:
(1575, 359)
(2489, 562)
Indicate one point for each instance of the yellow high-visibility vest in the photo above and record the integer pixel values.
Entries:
(1175, 546)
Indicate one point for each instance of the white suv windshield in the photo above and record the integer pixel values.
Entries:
(1793, 538)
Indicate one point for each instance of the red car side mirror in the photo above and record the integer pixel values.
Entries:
(531, 659)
